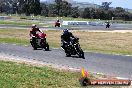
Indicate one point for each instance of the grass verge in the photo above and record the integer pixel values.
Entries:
(22, 75)
(16, 23)
(14, 75)
(114, 43)
(23, 23)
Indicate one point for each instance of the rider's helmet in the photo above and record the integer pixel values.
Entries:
(58, 20)
(34, 25)
(65, 31)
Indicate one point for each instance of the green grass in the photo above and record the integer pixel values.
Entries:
(25, 42)
(15, 23)
(108, 51)
(21, 75)
(23, 23)
(14, 75)
(14, 41)
(113, 43)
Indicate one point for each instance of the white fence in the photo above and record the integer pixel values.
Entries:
(78, 23)
(5, 17)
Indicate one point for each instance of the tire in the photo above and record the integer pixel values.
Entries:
(59, 25)
(47, 47)
(34, 48)
(80, 53)
(67, 52)
(68, 55)
(33, 45)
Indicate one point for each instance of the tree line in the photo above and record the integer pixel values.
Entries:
(62, 8)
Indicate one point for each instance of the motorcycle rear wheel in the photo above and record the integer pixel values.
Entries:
(47, 47)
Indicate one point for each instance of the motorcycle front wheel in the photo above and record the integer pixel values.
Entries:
(80, 52)
(33, 45)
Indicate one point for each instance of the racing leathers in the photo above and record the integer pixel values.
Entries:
(65, 39)
(33, 34)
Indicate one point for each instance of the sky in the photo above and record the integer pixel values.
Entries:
(115, 3)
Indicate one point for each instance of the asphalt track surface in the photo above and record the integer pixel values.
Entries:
(114, 65)
(81, 27)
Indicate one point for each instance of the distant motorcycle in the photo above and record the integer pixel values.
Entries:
(107, 25)
(39, 41)
(57, 24)
(74, 48)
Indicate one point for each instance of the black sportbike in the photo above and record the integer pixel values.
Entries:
(73, 48)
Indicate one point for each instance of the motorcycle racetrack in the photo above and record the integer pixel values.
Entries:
(114, 65)
(113, 27)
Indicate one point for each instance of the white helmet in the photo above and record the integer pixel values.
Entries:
(33, 25)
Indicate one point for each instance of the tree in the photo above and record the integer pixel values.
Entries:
(86, 13)
(4, 6)
(106, 5)
(65, 9)
(29, 7)
(34, 7)
(52, 10)
(45, 10)
(119, 9)
(58, 6)
(25, 9)
(75, 12)
(93, 13)
(15, 7)
(120, 13)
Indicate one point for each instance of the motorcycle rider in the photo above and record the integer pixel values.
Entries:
(33, 30)
(32, 33)
(107, 24)
(57, 23)
(65, 39)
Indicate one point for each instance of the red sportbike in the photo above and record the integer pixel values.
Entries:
(39, 41)
(57, 24)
